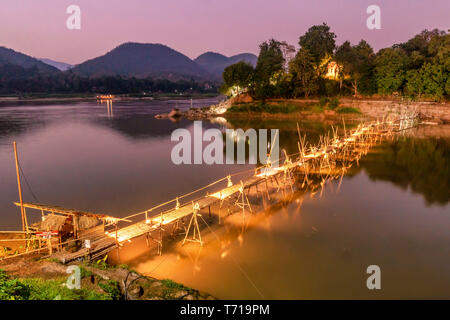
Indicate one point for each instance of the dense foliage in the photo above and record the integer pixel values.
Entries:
(17, 80)
(418, 68)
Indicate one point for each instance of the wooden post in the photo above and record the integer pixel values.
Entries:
(22, 211)
(75, 226)
(49, 242)
(117, 243)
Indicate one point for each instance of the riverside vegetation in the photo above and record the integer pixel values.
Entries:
(417, 69)
(45, 279)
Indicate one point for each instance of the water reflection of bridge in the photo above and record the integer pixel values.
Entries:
(329, 159)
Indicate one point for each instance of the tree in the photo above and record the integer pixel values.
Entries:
(355, 62)
(269, 68)
(237, 78)
(303, 73)
(414, 82)
(319, 41)
(434, 80)
(390, 66)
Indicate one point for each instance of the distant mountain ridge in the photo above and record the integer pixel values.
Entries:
(142, 60)
(215, 63)
(62, 66)
(11, 59)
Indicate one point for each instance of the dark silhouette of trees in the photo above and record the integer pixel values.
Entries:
(269, 69)
(237, 78)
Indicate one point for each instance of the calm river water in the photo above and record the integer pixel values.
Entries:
(392, 210)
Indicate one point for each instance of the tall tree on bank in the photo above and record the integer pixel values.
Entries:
(390, 70)
(237, 78)
(269, 69)
(304, 77)
(320, 43)
(355, 63)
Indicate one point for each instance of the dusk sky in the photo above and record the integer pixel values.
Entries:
(38, 27)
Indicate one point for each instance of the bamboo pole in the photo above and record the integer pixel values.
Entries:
(19, 185)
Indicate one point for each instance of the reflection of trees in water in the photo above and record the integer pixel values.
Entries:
(288, 133)
(15, 126)
(143, 126)
(421, 164)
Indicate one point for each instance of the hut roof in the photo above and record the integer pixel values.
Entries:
(65, 211)
(53, 222)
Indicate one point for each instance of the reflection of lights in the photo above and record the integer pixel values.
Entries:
(224, 254)
(241, 239)
(106, 232)
(147, 221)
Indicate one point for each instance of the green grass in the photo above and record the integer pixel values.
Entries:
(171, 287)
(333, 104)
(317, 108)
(323, 101)
(84, 273)
(112, 288)
(40, 289)
(349, 110)
(269, 108)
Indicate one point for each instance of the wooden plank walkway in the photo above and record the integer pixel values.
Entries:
(338, 149)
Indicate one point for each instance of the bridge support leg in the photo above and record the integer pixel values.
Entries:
(267, 189)
(193, 223)
(160, 242)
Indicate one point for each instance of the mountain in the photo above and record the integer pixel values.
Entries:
(62, 66)
(142, 60)
(10, 59)
(215, 63)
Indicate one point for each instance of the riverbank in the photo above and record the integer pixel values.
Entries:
(317, 109)
(33, 278)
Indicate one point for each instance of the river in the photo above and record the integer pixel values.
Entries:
(392, 210)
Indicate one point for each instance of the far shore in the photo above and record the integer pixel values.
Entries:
(93, 97)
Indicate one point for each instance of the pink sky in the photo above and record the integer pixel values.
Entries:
(38, 27)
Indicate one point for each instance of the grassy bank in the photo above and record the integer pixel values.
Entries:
(37, 279)
(293, 107)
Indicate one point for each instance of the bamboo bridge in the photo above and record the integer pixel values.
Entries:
(333, 152)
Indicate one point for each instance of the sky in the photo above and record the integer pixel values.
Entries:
(38, 27)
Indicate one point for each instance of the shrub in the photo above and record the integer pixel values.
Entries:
(333, 104)
(39, 289)
(349, 110)
(112, 288)
(323, 101)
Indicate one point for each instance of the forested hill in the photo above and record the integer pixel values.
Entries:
(142, 60)
(215, 63)
(13, 60)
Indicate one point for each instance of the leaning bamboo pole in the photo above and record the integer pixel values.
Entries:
(19, 186)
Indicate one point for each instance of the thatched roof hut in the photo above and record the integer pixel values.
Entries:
(53, 222)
